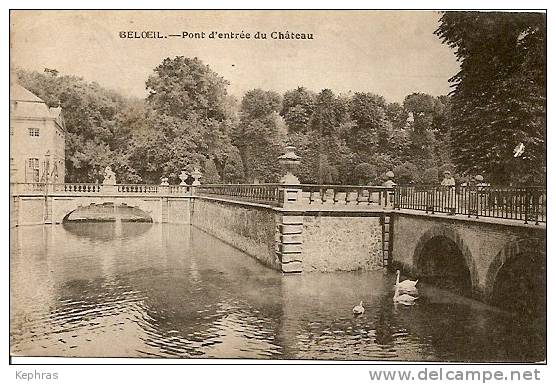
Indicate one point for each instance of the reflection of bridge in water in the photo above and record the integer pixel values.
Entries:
(489, 243)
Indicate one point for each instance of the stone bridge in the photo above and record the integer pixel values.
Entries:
(51, 203)
(300, 228)
(478, 251)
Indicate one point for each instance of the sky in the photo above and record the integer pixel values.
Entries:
(390, 53)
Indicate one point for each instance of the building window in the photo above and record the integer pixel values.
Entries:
(33, 132)
(11, 131)
(33, 164)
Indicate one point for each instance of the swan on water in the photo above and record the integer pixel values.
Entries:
(404, 299)
(358, 309)
(407, 286)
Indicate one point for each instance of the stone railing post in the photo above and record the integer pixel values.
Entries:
(50, 188)
(291, 196)
(164, 187)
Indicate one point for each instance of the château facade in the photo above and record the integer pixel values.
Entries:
(37, 139)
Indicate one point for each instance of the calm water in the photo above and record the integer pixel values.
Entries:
(144, 290)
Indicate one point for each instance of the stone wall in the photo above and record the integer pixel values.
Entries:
(333, 243)
(295, 240)
(248, 227)
(30, 210)
(179, 211)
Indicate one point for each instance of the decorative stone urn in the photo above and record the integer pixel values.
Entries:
(183, 177)
(389, 182)
(289, 161)
(164, 181)
(196, 174)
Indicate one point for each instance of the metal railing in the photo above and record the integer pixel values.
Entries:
(527, 204)
(258, 193)
(310, 194)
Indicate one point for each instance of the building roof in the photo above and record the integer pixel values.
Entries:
(18, 93)
(25, 104)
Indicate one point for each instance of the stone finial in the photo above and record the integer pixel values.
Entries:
(196, 174)
(164, 181)
(389, 182)
(289, 160)
(183, 177)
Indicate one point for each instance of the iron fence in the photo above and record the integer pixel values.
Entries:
(527, 204)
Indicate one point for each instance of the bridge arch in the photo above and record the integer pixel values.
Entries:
(102, 211)
(62, 207)
(516, 277)
(442, 250)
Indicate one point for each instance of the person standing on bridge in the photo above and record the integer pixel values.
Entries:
(448, 185)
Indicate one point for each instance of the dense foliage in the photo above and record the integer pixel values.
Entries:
(188, 119)
(499, 96)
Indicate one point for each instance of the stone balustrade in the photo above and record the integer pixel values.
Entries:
(33, 189)
(137, 188)
(300, 194)
(75, 188)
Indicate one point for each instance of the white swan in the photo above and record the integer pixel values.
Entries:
(358, 309)
(404, 299)
(407, 286)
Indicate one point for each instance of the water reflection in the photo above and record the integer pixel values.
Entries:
(107, 231)
(174, 291)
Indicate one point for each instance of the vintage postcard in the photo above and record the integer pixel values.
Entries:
(308, 185)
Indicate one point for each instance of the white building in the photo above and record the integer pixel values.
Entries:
(37, 139)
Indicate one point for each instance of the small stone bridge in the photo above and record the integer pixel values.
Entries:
(478, 235)
(38, 203)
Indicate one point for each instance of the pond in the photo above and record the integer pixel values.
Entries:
(120, 289)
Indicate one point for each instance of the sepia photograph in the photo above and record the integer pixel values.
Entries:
(278, 185)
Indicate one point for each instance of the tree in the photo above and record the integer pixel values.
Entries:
(328, 114)
(371, 130)
(297, 109)
(421, 106)
(397, 115)
(499, 95)
(405, 173)
(430, 176)
(183, 86)
(260, 135)
(210, 174)
(365, 173)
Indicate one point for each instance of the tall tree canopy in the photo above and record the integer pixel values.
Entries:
(188, 120)
(182, 86)
(260, 135)
(499, 95)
